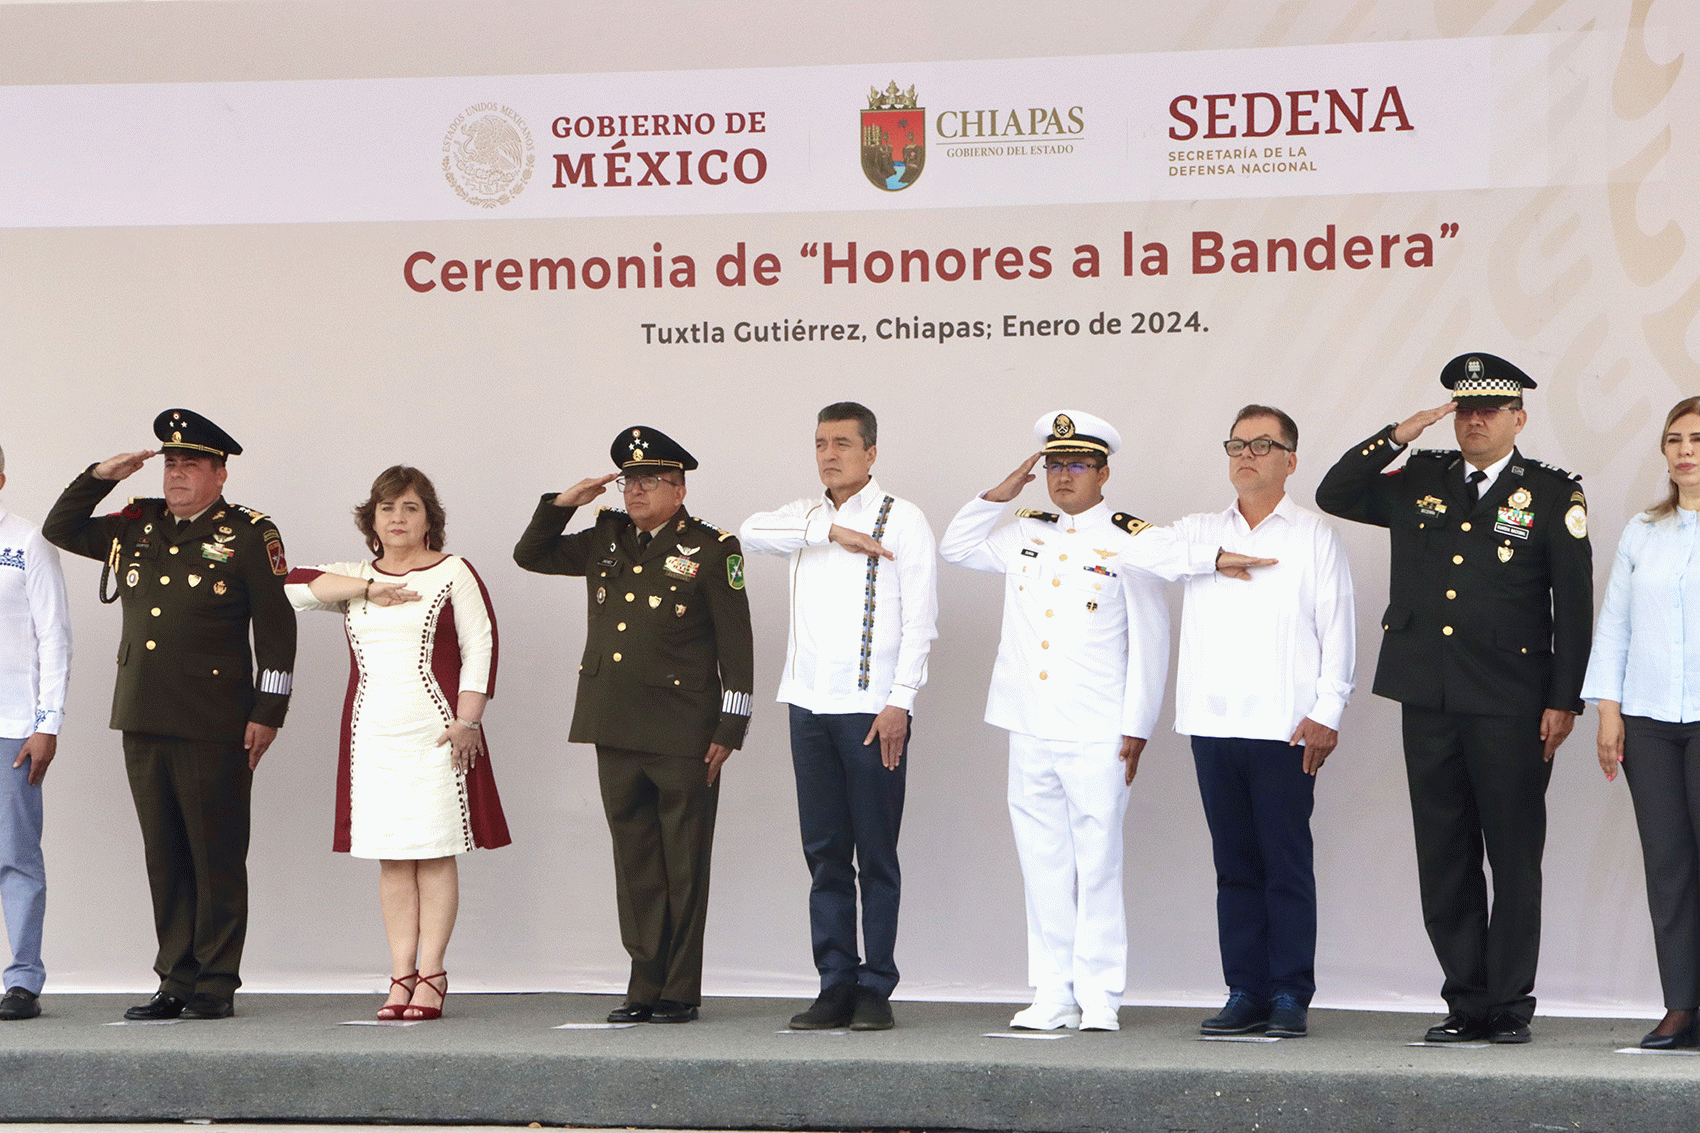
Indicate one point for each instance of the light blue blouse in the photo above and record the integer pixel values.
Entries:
(1646, 652)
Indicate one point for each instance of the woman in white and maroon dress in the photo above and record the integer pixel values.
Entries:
(411, 788)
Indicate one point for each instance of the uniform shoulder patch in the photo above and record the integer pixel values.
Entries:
(137, 505)
(1035, 513)
(1131, 524)
(610, 513)
(253, 516)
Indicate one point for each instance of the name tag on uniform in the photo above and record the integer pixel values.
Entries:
(1514, 522)
(680, 567)
(1030, 552)
(217, 552)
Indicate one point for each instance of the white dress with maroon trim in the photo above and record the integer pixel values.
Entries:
(398, 796)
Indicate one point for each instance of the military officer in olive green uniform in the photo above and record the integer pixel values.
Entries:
(1485, 643)
(663, 693)
(196, 708)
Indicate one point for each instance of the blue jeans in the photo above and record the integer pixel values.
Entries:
(23, 875)
(849, 807)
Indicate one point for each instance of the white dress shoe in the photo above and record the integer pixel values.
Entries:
(1046, 1017)
(1099, 1019)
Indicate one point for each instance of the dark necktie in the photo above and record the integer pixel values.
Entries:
(1473, 486)
(643, 540)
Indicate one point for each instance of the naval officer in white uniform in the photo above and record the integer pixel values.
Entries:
(1077, 684)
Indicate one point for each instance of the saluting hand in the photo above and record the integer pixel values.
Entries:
(120, 466)
(1235, 565)
(1015, 481)
(585, 490)
(1412, 427)
(858, 543)
(390, 594)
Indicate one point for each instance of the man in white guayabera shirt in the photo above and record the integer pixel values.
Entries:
(1262, 680)
(35, 659)
(864, 608)
(1077, 684)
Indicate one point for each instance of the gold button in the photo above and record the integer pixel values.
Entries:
(1056, 582)
(151, 645)
(621, 627)
(1044, 676)
(1452, 594)
(672, 588)
(1447, 630)
(156, 611)
(165, 580)
(1047, 613)
(1071, 531)
(215, 672)
(1525, 649)
(1097, 586)
(675, 680)
(617, 656)
(637, 570)
(1465, 526)
(1044, 645)
(1021, 587)
(174, 550)
(630, 597)
(1457, 558)
(1062, 558)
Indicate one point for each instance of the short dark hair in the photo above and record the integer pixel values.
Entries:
(855, 411)
(391, 483)
(1289, 431)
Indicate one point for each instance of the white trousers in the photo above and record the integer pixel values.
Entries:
(1067, 801)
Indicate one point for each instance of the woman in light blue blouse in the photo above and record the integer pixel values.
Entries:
(1644, 674)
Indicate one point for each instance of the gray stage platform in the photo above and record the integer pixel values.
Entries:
(497, 1059)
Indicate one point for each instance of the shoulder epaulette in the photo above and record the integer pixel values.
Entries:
(1131, 524)
(1434, 454)
(253, 516)
(721, 535)
(1554, 469)
(610, 512)
(1035, 513)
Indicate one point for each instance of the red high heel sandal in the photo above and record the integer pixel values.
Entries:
(415, 1012)
(390, 1012)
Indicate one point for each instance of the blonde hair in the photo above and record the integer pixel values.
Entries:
(1666, 507)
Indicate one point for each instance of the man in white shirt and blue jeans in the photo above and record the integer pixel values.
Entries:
(35, 661)
(864, 612)
(1263, 677)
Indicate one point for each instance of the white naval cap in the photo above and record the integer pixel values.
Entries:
(1069, 430)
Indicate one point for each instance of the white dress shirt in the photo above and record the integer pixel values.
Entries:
(1085, 648)
(832, 608)
(1257, 657)
(35, 632)
(1647, 642)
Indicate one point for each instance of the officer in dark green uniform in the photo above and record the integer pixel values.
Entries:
(663, 693)
(193, 573)
(1485, 643)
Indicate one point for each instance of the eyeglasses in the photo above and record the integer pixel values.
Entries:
(641, 483)
(1481, 412)
(1073, 468)
(1259, 447)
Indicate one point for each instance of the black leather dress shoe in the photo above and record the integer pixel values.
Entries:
(1456, 1028)
(161, 1006)
(206, 1005)
(21, 1003)
(1505, 1027)
(1684, 1039)
(671, 1011)
(1241, 1015)
(873, 1011)
(631, 1013)
(830, 1011)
